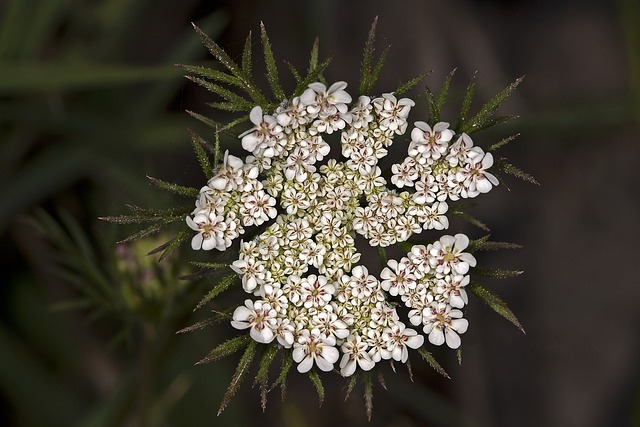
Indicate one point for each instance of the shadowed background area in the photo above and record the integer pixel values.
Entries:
(91, 103)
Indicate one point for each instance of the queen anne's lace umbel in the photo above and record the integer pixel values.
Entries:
(310, 292)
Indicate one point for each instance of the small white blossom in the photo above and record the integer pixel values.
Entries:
(313, 347)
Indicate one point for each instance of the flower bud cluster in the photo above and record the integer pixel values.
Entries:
(309, 292)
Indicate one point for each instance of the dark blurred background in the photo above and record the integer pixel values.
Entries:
(91, 103)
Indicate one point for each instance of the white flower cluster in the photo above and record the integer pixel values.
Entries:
(311, 294)
(430, 280)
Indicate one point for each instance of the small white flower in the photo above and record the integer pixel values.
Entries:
(474, 174)
(264, 134)
(443, 324)
(259, 317)
(210, 228)
(355, 354)
(429, 143)
(398, 338)
(313, 347)
(447, 255)
(451, 288)
(397, 277)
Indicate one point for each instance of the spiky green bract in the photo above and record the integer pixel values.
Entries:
(368, 393)
(411, 83)
(236, 85)
(317, 383)
(226, 348)
(224, 284)
(436, 103)
(199, 146)
(469, 218)
(495, 303)
(174, 188)
(159, 218)
(262, 377)
(428, 357)
(287, 363)
(368, 71)
(272, 69)
(466, 103)
(486, 116)
(218, 317)
(241, 372)
(495, 273)
(353, 380)
(515, 171)
(484, 244)
(170, 246)
(502, 142)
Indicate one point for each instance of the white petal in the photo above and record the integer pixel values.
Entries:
(331, 354)
(487, 161)
(305, 365)
(208, 244)
(241, 314)
(324, 364)
(256, 115)
(453, 340)
(348, 368)
(196, 242)
(483, 185)
(298, 354)
(366, 364)
(436, 337)
(460, 325)
(415, 341)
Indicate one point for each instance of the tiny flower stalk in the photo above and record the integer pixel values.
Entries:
(293, 215)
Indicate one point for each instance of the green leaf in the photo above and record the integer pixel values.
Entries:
(350, 385)
(239, 375)
(296, 75)
(470, 219)
(367, 59)
(231, 97)
(368, 394)
(495, 303)
(224, 284)
(209, 265)
(246, 56)
(213, 74)
(436, 103)
(502, 142)
(142, 233)
(227, 348)
(515, 171)
(174, 188)
(272, 69)
(484, 244)
(173, 244)
(488, 110)
(317, 383)
(311, 77)
(466, 103)
(428, 357)
(411, 83)
(216, 318)
(219, 127)
(262, 378)
(287, 362)
(313, 59)
(198, 145)
(495, 273)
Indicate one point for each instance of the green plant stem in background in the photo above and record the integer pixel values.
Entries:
(629, 11)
